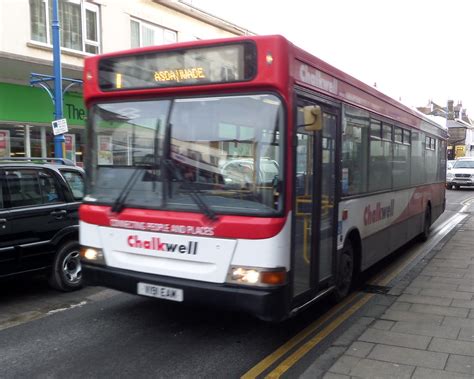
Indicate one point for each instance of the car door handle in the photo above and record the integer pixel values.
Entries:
(59, 214)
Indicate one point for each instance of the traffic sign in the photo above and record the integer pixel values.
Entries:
(59, 126)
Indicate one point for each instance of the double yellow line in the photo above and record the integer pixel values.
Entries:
(288, 362)
(358, 301)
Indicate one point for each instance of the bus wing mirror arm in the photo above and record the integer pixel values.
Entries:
(312, 118)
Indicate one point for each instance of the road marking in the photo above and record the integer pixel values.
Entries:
(301, 352)
(53, 311)
(290, 344)
(466, 204)
(382, 279)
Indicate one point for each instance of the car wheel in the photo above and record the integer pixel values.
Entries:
(345, 272)
(449, 186)
(426, 225)
(67, 271)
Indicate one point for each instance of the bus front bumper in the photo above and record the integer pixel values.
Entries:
(267, 304)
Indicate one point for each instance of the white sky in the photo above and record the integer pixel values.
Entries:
(415, 50)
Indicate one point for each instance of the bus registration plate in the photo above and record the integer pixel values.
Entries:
(174, 294)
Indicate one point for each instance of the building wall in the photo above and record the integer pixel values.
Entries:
(26, 123)
(115, 27)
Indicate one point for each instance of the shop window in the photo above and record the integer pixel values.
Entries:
(79, 22)
(146, 34)
(12, 141)
(74, 144)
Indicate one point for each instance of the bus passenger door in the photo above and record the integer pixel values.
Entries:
(315, 207)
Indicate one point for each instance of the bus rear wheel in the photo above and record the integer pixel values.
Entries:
(345, 272)
(426, 225)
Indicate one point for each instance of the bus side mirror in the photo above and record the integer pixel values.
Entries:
(312, 118)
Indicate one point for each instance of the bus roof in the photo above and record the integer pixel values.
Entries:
(280, 64)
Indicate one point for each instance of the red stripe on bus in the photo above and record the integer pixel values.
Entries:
(227, 226)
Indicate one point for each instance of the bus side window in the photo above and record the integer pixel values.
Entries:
(354, 151)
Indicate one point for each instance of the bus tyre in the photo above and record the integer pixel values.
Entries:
(426, 225)
(345, 272)
(66, 274)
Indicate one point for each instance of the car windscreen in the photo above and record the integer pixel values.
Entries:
(464, 164)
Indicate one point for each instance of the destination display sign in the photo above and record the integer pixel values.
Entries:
(184, 67)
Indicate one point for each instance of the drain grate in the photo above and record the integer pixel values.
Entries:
(370, 288)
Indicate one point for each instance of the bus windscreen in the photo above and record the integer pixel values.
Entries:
(183, 67)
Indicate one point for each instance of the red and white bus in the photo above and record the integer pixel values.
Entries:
(247, 173)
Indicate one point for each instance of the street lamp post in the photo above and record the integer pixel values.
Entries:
(59, 146)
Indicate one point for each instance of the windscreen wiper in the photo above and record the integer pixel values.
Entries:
(193, 193)
(119, 202)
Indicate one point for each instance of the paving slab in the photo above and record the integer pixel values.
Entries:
(425, 373)
(463, 304)
(395, 339)
(368, 368)
(466, 334)
(426, 329)
(457, 295)
(360, 349)
(458, 321)
(460, 363)
(452, 347)
(412, 316)
(431, 300)
(412, 357)
(440, 310)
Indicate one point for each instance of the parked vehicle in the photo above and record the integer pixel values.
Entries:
(39, 203)
(461, 173)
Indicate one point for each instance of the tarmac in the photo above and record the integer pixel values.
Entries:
(422, 328)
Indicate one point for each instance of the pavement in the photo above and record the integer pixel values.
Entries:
(422, 328)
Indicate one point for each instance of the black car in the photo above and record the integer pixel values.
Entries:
(39, 232)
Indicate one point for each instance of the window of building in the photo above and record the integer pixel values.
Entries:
(79, 21)
(12, 140)
(146, 34)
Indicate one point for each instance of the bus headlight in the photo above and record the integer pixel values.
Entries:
(256, 276)
(92, 255)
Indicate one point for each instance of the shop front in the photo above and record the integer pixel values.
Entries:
(25, 123)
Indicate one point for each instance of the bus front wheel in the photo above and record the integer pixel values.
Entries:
(345, 272)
